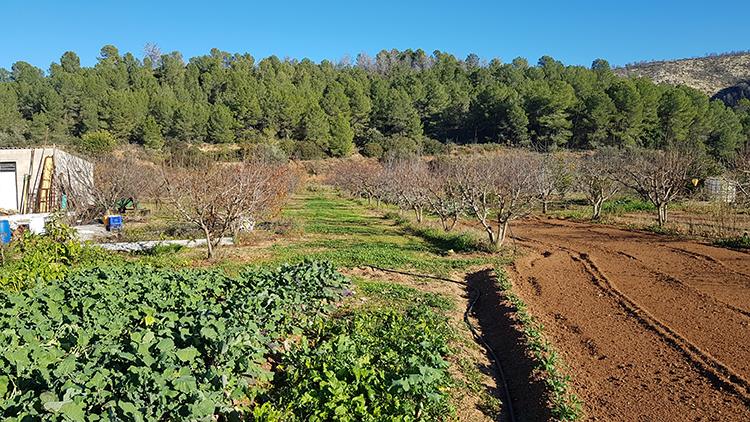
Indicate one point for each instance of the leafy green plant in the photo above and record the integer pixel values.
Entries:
(133, 342)
(367, 366)
(34, 258)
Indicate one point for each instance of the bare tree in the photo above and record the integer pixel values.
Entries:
(544, 181)
(363, 178)
(659, 176)
(116, 180)
(443, 197)
(219, 198)
(501, 185)
(152, 52)
(406, 182)
(553, 176)
(563, 167)
(741, 174)
(594, 178)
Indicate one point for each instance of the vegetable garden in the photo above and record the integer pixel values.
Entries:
(133, 342)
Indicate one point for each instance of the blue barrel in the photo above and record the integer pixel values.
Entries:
(5, 232)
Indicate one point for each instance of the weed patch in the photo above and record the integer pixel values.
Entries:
(396, 295)
(739, 242)
(370, 365)
(566, 406)
(626, 205)
(661, 230)
(346, 233)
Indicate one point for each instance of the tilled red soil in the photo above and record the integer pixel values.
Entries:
(653, 329)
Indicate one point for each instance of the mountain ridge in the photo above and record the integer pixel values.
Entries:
(710, 74)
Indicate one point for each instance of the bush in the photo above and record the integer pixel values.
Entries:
(370, 366)
(97, 142)
(187, 155)
(401, 147)
(372, 149)
(739, 242)
(433, 147)
(264, 152)
(307, 150)
(42, 258)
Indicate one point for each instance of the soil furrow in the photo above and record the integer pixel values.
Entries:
(636, 326)
(713, 367)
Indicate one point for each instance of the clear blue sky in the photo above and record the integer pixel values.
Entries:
(573, 31)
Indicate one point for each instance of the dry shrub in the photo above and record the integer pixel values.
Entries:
(223, 199)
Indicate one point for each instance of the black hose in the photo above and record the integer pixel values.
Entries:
(387, 270)
(474, 332)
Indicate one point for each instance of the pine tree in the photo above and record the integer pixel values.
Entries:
(151, 135)
(315, 127)
(384, 104)
(221, 125)
(342, 136)
(676, 115)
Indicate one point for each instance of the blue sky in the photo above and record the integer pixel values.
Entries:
(573, 31)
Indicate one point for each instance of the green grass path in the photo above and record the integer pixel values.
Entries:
(349, 234)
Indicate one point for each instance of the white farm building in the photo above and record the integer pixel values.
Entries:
(42, 180)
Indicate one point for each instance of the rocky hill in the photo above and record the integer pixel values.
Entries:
(709, 74)
(732, 95)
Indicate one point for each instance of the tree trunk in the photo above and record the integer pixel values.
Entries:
(490, 233)
(488, 228)
(454, 220)
(545, 206)
(662, 218)
(502, 229)
(597, 213)
(418, 213)
(209, 245)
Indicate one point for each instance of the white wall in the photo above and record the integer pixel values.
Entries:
(30, 161)
(8, 198)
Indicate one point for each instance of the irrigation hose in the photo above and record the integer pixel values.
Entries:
(469, 310)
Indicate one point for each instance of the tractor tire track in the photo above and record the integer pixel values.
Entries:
(545, 276)
(715, 369)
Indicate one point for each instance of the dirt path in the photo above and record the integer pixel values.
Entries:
(652, 328)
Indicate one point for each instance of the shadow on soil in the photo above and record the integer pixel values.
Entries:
(500, 331)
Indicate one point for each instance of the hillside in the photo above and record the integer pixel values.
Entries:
(708, 74)
(732, 95)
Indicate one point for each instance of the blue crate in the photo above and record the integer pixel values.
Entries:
(114, 222)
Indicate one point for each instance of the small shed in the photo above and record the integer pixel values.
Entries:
(43, 180)
(721, 189)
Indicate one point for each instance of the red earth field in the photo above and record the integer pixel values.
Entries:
(651, 328)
